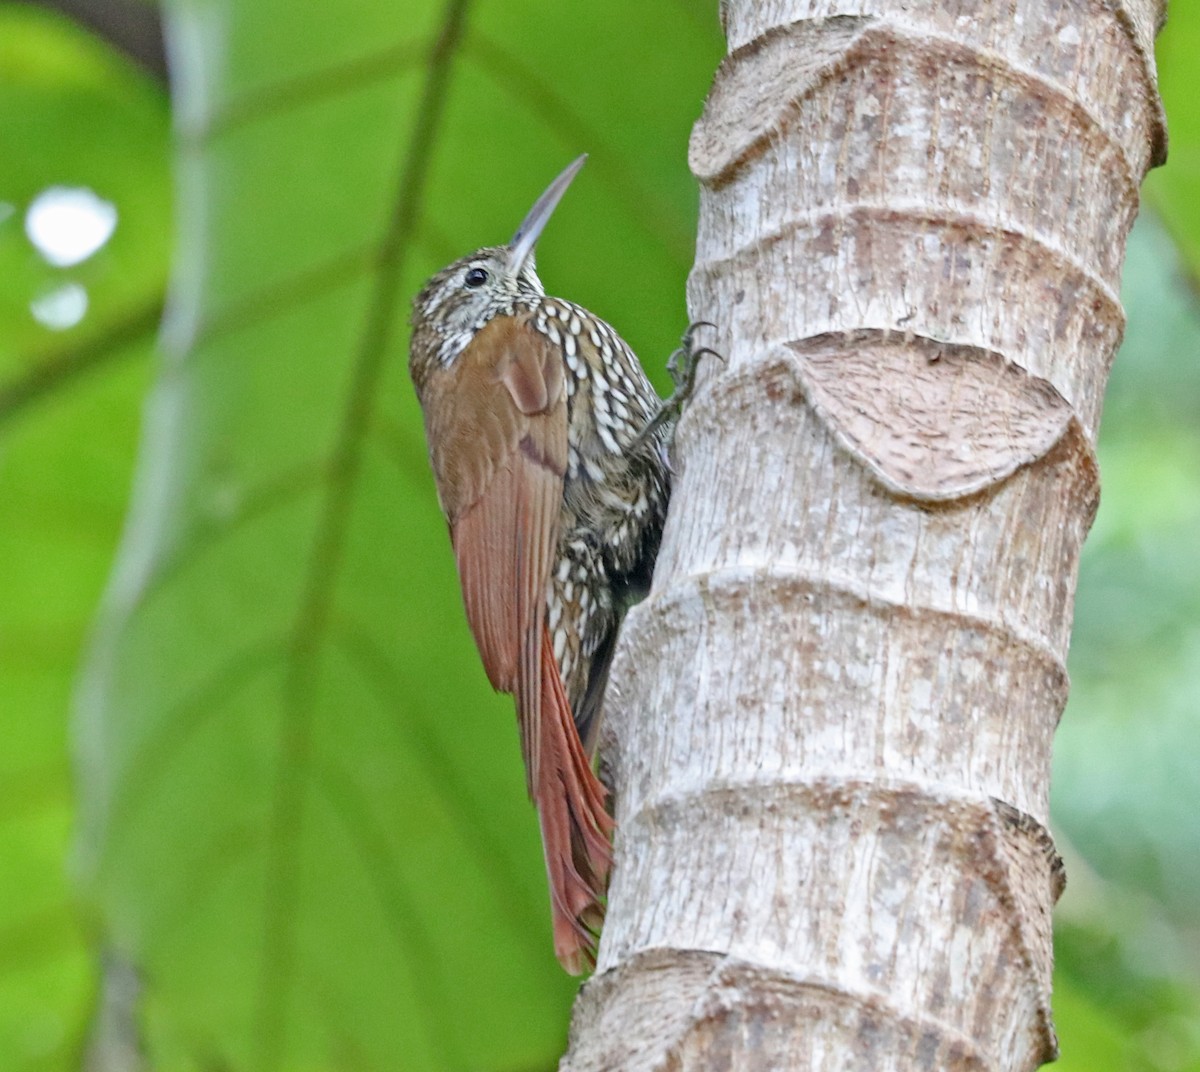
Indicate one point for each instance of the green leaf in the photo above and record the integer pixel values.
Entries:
(304, 812)
(1175, 189)
(70, 114)
(1090, 1040)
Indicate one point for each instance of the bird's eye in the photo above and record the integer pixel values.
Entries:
(476, 277)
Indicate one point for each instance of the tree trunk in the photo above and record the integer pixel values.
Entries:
(829, 726)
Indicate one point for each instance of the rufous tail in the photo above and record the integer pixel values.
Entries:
(576, 827)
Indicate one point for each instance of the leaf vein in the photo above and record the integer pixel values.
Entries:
(467, 814)
(312, 618)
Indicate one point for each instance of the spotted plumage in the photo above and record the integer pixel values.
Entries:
(548, 446)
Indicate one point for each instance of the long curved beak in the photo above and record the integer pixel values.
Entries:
(520, 249)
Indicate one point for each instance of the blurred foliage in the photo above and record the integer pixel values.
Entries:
(1175, 190)
(1127, 766)
(304, 818)
(70, 114)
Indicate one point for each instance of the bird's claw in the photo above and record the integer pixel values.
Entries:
(682, 366)
(683, 363)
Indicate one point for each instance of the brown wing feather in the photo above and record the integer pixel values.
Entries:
(500, 451)
(575, 825)
(499, 438)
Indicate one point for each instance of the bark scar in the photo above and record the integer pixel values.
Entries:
(932, 421)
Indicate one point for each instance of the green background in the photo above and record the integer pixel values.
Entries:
(257, 757)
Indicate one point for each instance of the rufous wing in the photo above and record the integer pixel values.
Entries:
(497, 425)
(499, 448)
(576, 827)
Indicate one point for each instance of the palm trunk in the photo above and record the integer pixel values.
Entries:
(829, 727)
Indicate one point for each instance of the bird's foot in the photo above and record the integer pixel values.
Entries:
(682, 365)
(683, 362)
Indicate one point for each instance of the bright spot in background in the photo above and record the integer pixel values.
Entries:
(60, 308)
(69, 223)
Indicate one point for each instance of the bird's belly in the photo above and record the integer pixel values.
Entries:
(600, 537)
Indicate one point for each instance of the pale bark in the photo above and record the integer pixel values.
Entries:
(829, 727)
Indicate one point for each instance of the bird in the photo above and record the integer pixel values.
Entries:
(550, 453)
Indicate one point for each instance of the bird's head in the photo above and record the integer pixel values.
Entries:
(460, 299)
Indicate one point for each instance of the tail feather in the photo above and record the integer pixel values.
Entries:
(576, 827)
